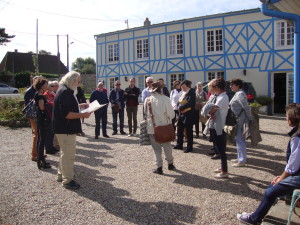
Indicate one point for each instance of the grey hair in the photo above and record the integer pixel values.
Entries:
(100, 83)
(55, 82)
(149, 78)
(198, 83)
(68, 80)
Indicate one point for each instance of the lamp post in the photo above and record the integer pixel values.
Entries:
(68, 51)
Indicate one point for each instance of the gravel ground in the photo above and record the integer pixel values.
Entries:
(118, 186)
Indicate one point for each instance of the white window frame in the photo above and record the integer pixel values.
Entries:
(284, 34)
(214, 41)
(175, 43)
(215, 74)
(142, 48)
(173, 77)
(113, 52)
(112, 81)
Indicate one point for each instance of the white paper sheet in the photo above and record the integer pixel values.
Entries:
(93, 107)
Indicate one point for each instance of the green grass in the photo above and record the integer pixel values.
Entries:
(87, 96)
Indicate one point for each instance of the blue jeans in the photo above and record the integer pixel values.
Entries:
(271, 193)
(101, 114)
(240, 145)
(115, 120)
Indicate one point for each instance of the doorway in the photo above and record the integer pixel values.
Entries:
(279, 92)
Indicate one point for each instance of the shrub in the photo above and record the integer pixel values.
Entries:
(264, 100)
(22, 79)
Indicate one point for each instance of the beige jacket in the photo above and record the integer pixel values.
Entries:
(162, 110)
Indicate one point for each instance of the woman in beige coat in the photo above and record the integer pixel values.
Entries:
(163, 114)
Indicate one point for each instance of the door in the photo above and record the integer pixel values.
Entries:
(280, 90)
(290, 88)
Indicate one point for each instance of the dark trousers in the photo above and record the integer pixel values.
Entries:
(115, 120)
(197, 120)
(271, 194)
(49, 137)
(101, 116)
(188, 125)
(175, 119)
(42, 128)
(220, 146)
(132, 115)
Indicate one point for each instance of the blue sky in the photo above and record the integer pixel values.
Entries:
(82, 19)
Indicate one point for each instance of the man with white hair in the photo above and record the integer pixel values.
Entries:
(146, 93)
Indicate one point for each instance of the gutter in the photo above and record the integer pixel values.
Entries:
(296, 18)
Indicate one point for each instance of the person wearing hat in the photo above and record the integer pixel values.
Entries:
(186, 107)
(163, 114)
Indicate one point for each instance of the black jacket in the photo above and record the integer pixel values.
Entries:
(113, 97)
(130, 99)
(29, 94)
(64, 103)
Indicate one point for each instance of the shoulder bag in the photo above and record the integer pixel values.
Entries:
(164, 133)
(30, 110)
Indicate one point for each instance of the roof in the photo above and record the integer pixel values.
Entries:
(182, 20)
(289, 6)
(17, 62)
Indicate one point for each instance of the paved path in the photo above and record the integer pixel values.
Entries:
(118, 186)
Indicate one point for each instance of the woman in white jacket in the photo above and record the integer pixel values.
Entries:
(163, 114)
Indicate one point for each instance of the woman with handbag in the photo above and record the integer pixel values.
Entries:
(242, 112)
(201, 98)
(43, 120)
(159, 112)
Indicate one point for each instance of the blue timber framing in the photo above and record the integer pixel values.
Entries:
(248, 45)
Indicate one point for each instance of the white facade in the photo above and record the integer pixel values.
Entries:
(243, 44)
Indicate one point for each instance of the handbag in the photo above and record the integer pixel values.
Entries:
(30, 110)
(144, 136)
(230, 118)
(164, 133)
(115, 107)
(230, 130)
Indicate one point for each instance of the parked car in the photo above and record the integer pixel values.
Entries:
(247, 87)
(5, 89)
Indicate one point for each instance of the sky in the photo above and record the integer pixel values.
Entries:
(82, 19)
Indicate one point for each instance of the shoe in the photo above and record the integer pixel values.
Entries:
(105, 135)
(188, 150)
(114, 133)
(239, 164)
(197, 136)
(130, 135)
(213, 148)
(212, 153)
(218, 170)
(158, 171)
(122, 132)
(34, 159)
(71, 185)
(135, 135)
(234, 160)
(222, 176)
(59, 178)
(171, 167)
(51, 151)
(178, 147)
(42, 164)
(96, 136)
(216, 157)
(246, 218)
(204, 136)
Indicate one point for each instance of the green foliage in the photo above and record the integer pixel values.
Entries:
(11, 109)
(264, 100)
(255, 104)
(4, 37)
(84, 66)
(41, 52)
(22, 79)
(6, 76)
(35, 64)
(49, 75)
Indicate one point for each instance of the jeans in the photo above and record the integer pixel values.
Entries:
(49, 137)
(158, 151)
(132, 115)
(42, 128)
(115, 120)
(220, 145)
(240, 145)
(271, 193)
(101, 114)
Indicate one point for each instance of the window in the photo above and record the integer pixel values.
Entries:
(141, 82)
(175, 76)
(142, 48)
(113, 52)
(175, 44)
(112, 81)
(285, 34)
(215, 74)
(214, 40)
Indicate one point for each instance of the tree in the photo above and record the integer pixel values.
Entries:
(4, 37)
(84, 66)
(41, 52)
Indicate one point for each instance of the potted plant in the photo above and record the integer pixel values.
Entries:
(265, 101)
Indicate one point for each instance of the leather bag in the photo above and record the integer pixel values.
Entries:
(30, 110)
(115, 107)
(230, 118)
(164, 133)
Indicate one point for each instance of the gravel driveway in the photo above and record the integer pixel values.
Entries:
(118, 186)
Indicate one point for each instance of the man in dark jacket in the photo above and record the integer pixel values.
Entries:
(132, 101)
(117, 100)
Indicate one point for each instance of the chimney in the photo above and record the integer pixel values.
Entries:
(147, 22)
(16, 50)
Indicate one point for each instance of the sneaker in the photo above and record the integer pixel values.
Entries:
(239, 164)
(71, 185)
(246, 218)
(222, 176)
(171, 166)
(218, 170)
(234, 160)
(130, 135)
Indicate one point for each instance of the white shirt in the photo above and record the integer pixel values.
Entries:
(223, 103)
(175, 98)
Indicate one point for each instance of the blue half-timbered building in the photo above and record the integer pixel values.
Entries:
(243, 44)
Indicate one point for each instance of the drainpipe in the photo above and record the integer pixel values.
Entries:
(296, 19)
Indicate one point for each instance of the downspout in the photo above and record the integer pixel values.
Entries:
(296, 19)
